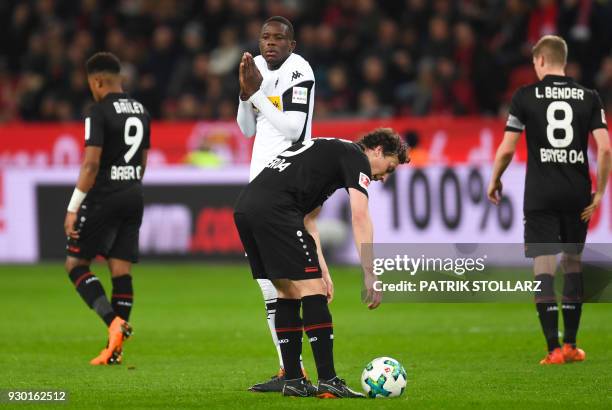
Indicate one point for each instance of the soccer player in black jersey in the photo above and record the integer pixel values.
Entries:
(276, 105)
(275, 216)
(105, 211)
(557, 115)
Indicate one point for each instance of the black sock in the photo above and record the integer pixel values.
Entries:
(548, 311)
(89, 287)
(571, 306)
(123, 296)
(289, 330)
(320, 330)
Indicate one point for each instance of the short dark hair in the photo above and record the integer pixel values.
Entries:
(389, 140)
(103, 62)
(282, 20)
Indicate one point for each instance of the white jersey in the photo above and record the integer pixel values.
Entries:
(289, 88)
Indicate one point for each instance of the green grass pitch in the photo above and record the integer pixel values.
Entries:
(201, 339)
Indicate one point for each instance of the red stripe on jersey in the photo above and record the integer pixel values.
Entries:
(311, 269)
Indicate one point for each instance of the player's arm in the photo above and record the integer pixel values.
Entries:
(363, 233)
(89, 169)
(94, 140)
(604, 165)
(503, 157)
(87, 177)
(310, 222)
(246, 116)
(515, 125)
(289, 123)
(246, 119)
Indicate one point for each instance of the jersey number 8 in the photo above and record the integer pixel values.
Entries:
(132, 135)
(564, 124)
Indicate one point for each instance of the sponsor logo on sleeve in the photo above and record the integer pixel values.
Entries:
(275, 100)
(364, 180)
(300, 95)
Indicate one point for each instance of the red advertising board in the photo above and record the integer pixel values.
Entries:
(442, 140)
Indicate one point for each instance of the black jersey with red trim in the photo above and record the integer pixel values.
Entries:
(301, 178)
(121, 126)
(557, 115)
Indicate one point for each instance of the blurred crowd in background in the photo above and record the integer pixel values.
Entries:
(370, 58)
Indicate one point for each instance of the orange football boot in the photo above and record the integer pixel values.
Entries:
(573, 354)
(118, 331)
(554, 357)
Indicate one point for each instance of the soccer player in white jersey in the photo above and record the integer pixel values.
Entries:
(276, 105)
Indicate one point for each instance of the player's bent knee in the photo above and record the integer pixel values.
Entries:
(545, 264)
(119, 267)
(310, 287)
(286, 289)
(72, 262)
(571, 262)
(288, 295)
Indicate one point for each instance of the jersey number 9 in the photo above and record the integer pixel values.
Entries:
(132, 135)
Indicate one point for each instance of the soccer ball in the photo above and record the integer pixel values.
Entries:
(383, 377)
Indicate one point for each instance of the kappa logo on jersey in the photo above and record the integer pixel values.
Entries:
(300, 95)
(295, 75)
(275, 100)
(364, 180)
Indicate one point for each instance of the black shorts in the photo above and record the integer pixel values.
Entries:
(278, 251)
(109, 226)
(551, 232)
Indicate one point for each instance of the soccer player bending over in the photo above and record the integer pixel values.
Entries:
(557, 115)
(105, 211)
(275, 216)
(276, 103)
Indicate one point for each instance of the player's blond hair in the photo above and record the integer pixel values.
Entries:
(553, 49)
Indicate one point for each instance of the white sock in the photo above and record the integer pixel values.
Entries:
(269, 294)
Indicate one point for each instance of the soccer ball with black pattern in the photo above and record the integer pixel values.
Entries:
(383, 377)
